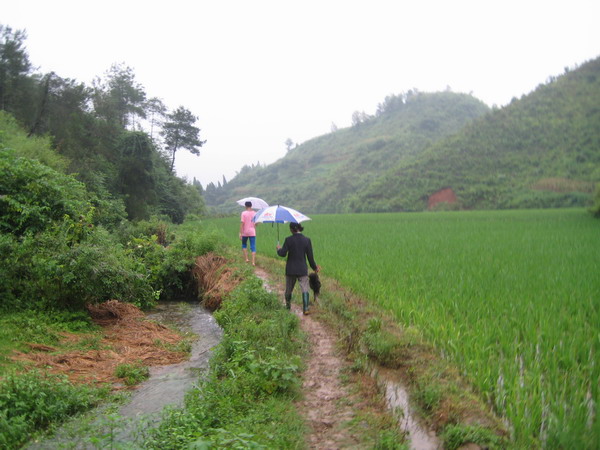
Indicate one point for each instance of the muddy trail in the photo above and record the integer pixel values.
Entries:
(321, 387)
(330, 405)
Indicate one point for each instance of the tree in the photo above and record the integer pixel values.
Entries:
(157, 110)
(179, 131)
(119, 98)
(62, 98)
(334, 127)
(137, 178)
(198, 186)
(359, 117)
(210, 193)
(15, 84)
(288, 144)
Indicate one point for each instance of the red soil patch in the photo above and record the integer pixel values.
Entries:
(446, 195)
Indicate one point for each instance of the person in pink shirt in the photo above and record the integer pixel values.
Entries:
(248, 232)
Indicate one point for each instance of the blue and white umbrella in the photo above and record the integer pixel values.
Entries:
(279, 214)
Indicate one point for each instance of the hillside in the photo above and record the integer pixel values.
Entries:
(540, 151)
(321, 174)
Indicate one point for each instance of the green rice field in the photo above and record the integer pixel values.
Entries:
(512, 298)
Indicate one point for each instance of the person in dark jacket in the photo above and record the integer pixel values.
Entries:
(298, 249)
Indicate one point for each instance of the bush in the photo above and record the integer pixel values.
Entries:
(49, 270)
(13, 137)
(33, 401)
(544, 199)
(33, 196)
(173, 274)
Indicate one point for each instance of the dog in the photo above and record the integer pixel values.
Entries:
(315, 284)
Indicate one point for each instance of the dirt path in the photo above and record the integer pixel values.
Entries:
(327, 402)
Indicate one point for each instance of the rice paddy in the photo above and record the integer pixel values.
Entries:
(512, 298)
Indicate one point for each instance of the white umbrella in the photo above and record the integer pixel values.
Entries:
(257, 203)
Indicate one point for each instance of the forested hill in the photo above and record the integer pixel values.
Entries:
(540, 151)
(321, 174)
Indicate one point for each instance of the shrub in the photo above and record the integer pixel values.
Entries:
(49, 270)
(32, 401)
(13, 137)
(33, 196)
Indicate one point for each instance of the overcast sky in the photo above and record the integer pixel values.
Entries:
(256, 72)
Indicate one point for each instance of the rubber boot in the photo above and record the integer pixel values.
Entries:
(305, 302)
(288, 301)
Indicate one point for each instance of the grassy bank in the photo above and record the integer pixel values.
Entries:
(247, 398)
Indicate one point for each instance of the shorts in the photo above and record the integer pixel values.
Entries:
(252, 242)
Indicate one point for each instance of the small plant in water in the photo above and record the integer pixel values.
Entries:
(132, 373)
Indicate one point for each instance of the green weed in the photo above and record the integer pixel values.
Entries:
(33, 401)
(456, 436)
(132, 374)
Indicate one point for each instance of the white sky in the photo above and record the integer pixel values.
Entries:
(257, 72)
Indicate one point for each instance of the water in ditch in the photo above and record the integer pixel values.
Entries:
(397, 399)
(124, 426)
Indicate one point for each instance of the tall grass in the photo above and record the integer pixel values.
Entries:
(512, 297)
